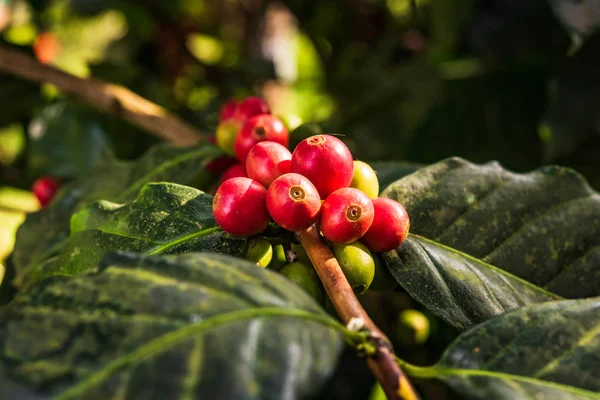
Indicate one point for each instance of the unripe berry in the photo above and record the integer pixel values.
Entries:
(390, 226)
(227, 132)
(268, 161)
(45, 188)
(239, 207)
(235, 171)
(413, 328)
(364, 178)
(251, 106)
(259, 251)
(326, 161)
(293, 202)
(357, 263)
(346, 215)
(264, 127)
(307, 278)
(228, 110)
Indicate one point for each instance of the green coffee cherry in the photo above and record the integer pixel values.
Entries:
(278, 260)
(413, 327)
(227, 132)
(259, 251)
(383, 280)
(306, 277)
(301, 254)
(365, 179)
(357, 263)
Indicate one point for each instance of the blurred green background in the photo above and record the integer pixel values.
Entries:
(409, 80)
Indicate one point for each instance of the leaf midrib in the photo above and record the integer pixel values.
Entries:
(169, 339)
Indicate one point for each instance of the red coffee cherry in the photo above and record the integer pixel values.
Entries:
(346, 215)
(235, 171)
(268, 161)
(293, 202)
(240, 207)
(326, 161)
(46, 47)
(228, 110)
(264, 127)
(45, 188)
(251, 106)
(390, 226)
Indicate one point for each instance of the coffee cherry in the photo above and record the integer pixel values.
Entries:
(45, 188)
(235, 171)
(357, 264)
(326, 161)
(413, 328)
(278, 260)
(46, 47)
(251, 106)
(259, 251)
(293, 202)
(346, 215)
(268, 161)
(390, 226)
(239, 207)
(264, 127)
(227, 132)
(228, 110)
(307, 278)
(364, 178)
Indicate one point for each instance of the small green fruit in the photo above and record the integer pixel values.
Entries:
(364, 178)
(259, 251)
(227, 132)
(413, 327)
(301, 255)
(357, 263)
(278, 260)
(383, 280)
(306, 277)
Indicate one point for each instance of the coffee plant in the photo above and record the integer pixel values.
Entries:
(216, 242)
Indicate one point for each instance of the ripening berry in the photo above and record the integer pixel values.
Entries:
(357, 263)
(46, 47)
(235, 171)
(346, 215)
(227, 132)
(306, 277)
(268, 161)
(390, 226)
(264, 127)
(250, 107)
(326, 161)
(364, 178)
(293, 202)
(228, 110)
(239, 207)
(45, 188)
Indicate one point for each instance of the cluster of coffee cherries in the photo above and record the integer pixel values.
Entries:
(318, 182)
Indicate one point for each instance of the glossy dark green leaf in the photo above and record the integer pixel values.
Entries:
(193, 326)
(389, 172)
(543, 351)
(165, 218)
(44, 233)
(66, 141)
(542, 226)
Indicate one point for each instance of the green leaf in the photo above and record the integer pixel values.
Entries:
(389, 172)
(165, 218)
(543, 351)
(474, 220)
(193, 326)
(44, 233)
(66, 141)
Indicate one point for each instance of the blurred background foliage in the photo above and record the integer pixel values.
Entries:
(409, 80)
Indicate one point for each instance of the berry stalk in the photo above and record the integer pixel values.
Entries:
(380, 359)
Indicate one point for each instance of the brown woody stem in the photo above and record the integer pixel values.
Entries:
(381, 362)
(109, 98)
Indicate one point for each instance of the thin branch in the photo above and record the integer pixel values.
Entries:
(109, 98)
(382, 362)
